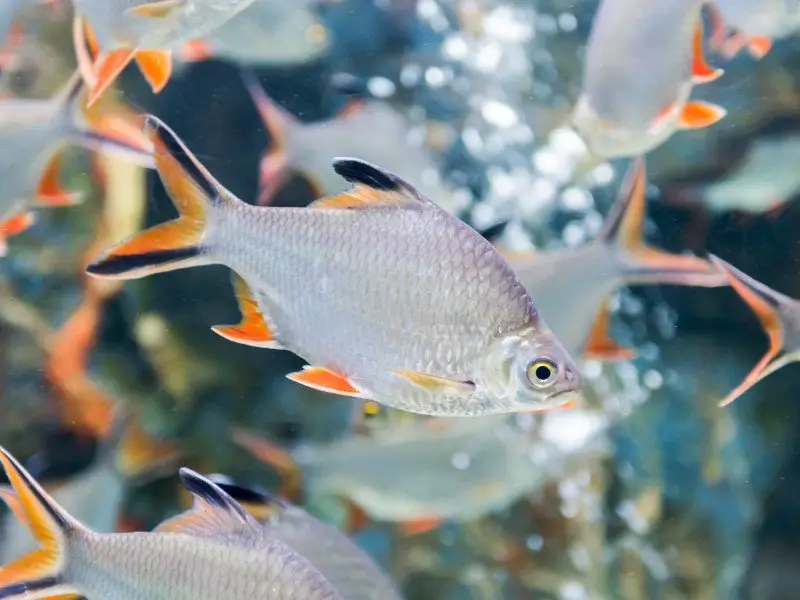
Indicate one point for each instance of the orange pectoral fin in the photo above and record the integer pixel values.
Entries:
(759, 46)
(17, 224)
(156, 66)
(253, 329)
(702, 72)
(600, 346)
(50, 192)
(325, 380)
(107, 70)
(698, 114)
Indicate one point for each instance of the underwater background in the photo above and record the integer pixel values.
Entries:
(647, 490)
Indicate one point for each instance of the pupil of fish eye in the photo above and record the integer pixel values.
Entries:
(543, 372)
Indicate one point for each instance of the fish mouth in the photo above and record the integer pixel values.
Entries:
(565, 397)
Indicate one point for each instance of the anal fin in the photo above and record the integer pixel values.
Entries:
(50, 192)
(14, 226)
(698, 114)
(600, 346)
(325, 380)
(253, 329)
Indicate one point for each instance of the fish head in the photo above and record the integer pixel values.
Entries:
(530, 371)
(611, 139)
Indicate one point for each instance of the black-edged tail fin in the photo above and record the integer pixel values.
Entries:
(274, 167)
(176, 244)
(766, 303)
(38, 574)
(643, 264)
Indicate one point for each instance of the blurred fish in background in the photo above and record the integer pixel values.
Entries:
(524, 122)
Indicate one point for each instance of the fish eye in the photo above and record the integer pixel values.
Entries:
(541, 372)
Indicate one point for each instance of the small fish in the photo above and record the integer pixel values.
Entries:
(144, 31)
(420, 474)
(756, 23)
(575, 283)
(387, 296)
(642, 61)
(34, 133)
(349, 569)
(763, 181)
(369, 129)
(216, 550)
(780, 317)
(270, 32)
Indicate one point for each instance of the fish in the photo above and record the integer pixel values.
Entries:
(354, 574)
(216, 550)
(142, 31)
(421, 474)
(762, 181)
(307, 148)
(576, 283)
(34, 134)
(269, 32)
(780, 318)
(410, 307)
(642, 61)
(756, 24)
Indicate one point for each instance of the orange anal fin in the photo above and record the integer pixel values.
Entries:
(698, 114)
(600, 346)
(702, 72)
(357, 518)
(266, 451)
(17, 224)
(156, 66)
(195, 51)
(50, 192)
(759, 46)
(253, 329)
(419, 525)
(107, 70)
(325, 380)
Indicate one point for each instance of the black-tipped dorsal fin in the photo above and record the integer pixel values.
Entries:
(258, 502)
(372, 186)
(214, 512)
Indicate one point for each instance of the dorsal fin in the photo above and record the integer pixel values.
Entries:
(257, 501)
(214, 512)
(372, 186)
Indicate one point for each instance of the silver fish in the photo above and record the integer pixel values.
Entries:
(442, 470)
(386, 295)
(780, 318)
(217, 550)
(144, 31)
(349, 569)
(642, 60)
(270, 32)
(575, 283)
(369, 129)
(33, 134)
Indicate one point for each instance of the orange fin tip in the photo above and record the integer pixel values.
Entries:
(106, 71)
(419, 525)
(698, 114)
(759, 46)
(437, 385)
(253, 329)
(600, 346)
(17, 224)
(702, 72)
(50, 192)
(156, 66)
(325, 380)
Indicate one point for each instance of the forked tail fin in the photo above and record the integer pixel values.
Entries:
(644, 264)
(176, 244)
(39, 574)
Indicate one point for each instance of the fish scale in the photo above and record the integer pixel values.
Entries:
(358, 246)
